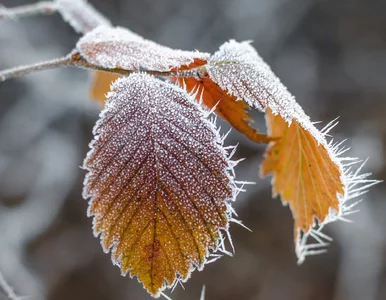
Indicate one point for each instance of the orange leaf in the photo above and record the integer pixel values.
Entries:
(226, 106)
(305, 176)
(100, 85)
(159, 182)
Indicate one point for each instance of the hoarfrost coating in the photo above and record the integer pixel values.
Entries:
(116, 47)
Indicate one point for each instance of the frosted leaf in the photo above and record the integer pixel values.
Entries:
(238, 69)
(81, 15)
(120, 48)
(159, 182)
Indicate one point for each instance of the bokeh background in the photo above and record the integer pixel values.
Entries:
(331, 54)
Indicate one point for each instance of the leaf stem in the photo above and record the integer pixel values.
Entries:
(45, 8)
(75, 60)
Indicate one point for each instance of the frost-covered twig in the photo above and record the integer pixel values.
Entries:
(24, 70)
(82, 16)
(7, 290)
(45, 8)
(75, 60)
(78, 13)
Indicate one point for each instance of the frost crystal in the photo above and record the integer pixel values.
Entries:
(238, 69)
(120, 48)
(81, 15)
(160, 182)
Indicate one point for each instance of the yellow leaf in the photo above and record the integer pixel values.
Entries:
(100, 85)
(304, 175)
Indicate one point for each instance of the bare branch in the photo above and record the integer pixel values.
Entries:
(81, 15)
(6, 290)
(44, 8)
(75, 60)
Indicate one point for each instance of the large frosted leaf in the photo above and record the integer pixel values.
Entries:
(116, 47)
(158, 181)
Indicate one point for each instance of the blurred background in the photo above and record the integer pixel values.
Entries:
(330, 54)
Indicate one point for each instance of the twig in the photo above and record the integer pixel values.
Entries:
(7, 290)
(45, 8)
(75, 60)
(81, 15)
